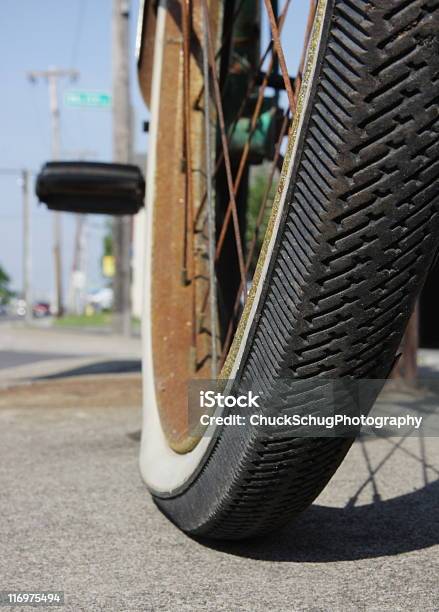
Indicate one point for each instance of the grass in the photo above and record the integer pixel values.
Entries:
(97, 319)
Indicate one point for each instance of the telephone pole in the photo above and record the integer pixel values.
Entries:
(78, 275)
(26, 254)
(26, 245)
(76, 295)
(52, 76)
(122, 149)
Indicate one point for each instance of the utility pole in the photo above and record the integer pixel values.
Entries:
(26, 245)
(78, 276)
(52, 76)
(76, 300)
(122, 150)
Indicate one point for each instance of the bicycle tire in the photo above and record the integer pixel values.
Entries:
(354, 240)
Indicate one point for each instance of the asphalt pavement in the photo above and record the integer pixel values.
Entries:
(30, 353)
(76, 517)
(12, 359)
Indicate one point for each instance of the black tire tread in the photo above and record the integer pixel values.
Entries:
(358, 236)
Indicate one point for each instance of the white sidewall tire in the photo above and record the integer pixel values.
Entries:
(164, 470)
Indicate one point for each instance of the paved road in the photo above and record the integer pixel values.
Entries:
(28, 353)
(76, 517)
(11, 359)
(15, 336)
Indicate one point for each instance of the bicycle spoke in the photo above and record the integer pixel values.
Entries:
(254, 80)
(224, 143)
(252, 247)
(275, 31)
(253, 125)
(257, 83)
(309, 26)
(277, 162)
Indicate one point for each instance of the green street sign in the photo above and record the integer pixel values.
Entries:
(91, 99)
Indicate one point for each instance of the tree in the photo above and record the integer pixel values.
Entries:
(108, 240)
(5, 291)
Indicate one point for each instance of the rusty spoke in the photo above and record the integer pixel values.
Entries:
(277, 163)
(253, 125)
(275, 32)
(259, 221)
(309, 26)
(255, 77)
(257, 81)
(224, 143)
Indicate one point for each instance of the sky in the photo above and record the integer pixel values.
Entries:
(36, 35)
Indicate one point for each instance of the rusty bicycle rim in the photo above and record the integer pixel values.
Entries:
(181, 321)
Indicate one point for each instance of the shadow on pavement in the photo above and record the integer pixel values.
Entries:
(115, 366)
(323, 534)
(386, 527)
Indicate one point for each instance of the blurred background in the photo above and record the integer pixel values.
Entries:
(72, 41)
(59, 72)
(62, 54)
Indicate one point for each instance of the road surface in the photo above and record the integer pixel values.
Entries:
(76, 517)
(29, 353)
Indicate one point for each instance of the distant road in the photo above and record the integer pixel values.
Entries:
(8, 318)
(27, 353)
(11, 359)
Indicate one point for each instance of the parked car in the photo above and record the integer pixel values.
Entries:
(101, 299)
(41, 309)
